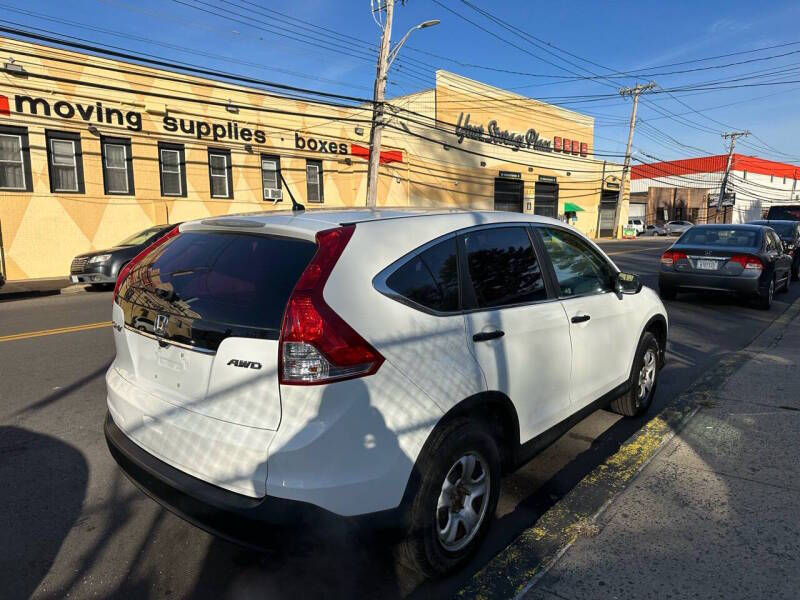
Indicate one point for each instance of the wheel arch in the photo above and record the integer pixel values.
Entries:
(657, 325)
(493, 407)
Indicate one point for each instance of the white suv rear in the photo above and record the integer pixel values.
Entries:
(367, 363)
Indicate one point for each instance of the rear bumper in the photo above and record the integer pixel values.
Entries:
(235, 517)
(736, 284)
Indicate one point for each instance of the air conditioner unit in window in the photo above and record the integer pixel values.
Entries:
(273, 194)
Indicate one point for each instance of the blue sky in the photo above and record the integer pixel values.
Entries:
(242, 36)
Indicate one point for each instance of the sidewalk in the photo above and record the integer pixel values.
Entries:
(26, 288)
(716, 513)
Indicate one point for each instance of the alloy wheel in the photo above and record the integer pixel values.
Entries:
(647, 376)
(462, 503)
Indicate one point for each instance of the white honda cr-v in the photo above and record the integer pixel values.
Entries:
(388, 364)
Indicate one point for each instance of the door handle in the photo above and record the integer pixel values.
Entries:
(580, 318)
(485, 336)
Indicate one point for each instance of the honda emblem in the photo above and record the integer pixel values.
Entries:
(160, 327)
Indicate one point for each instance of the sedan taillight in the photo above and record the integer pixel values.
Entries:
(317, 345)
(749, 263)
(670, 257)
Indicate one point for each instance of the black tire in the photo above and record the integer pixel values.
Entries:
(633, 403)
(421, 549)
(667, 293)
(765, 300)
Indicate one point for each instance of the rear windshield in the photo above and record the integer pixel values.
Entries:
(721, 236)
(788, 213)
(239, 283)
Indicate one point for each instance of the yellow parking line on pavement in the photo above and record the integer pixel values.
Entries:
(56, 331)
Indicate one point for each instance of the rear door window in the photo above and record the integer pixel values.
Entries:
(219, 284)
(430, 279)
(503, 267)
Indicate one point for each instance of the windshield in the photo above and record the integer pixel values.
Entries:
(722, 237)
(141, 237)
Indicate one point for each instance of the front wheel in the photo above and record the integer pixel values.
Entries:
(643, 380)
(456, 497)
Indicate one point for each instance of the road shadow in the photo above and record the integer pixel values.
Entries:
(44, 485)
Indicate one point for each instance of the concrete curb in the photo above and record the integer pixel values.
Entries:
(516, 569)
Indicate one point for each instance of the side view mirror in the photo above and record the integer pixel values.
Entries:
(627, 283)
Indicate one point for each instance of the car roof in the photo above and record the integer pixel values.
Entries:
(308, 222)
(771, 221)
(741, 226)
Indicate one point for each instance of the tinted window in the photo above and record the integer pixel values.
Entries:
(221, 284)
(503, 267)
(789, 213)
(721, 236)
(579, 269)
(784, 229)
(430, 279)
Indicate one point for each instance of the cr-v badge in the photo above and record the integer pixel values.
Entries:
(160, 326)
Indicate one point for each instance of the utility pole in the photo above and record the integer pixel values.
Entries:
(385, 60)
(378, 107)
(627, 91)
(728, 135)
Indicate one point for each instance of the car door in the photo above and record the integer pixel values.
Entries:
(516, 329)
(602, 332)
(777, 253)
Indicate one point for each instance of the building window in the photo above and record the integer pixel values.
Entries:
(117, 165)
(271, 177)
(784, 181)
(65, 161)
(172, 165)
(744, 174)
(15, 160)
(219, 173)
(314, 181)
(772, 178)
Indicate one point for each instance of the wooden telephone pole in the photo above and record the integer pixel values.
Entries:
(627, 91)
(728, 135)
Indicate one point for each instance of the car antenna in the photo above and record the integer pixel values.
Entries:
(296, 206)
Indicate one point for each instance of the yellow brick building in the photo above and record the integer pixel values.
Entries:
(93, 150)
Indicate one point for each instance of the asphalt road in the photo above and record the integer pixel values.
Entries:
(72, 525)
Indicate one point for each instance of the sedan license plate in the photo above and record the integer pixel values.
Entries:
(707, 265)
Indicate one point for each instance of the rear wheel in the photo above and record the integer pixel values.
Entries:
(765, 301)
(455, 500)
(643, 379)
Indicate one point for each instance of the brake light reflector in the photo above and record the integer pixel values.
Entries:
(123, 274)
(670, 257)
(317, 345)
(749, 263)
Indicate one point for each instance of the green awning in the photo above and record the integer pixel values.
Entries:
(570, 207)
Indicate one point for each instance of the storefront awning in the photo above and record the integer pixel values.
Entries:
(570, 207)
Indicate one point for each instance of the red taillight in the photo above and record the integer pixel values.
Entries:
(670, 257)
(127, 268)
(316, 344)
(749, 263)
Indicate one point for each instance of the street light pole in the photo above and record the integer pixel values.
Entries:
(385, 60)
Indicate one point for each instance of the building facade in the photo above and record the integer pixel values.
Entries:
(93, 150)
(689, 189)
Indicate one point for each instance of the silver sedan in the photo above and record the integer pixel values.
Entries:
(677, 227)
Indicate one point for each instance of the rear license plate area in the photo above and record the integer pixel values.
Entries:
(707, 265)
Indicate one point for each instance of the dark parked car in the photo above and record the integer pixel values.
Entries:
(748, 260)
(100, 268)
(784, 212)
(789, 232)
